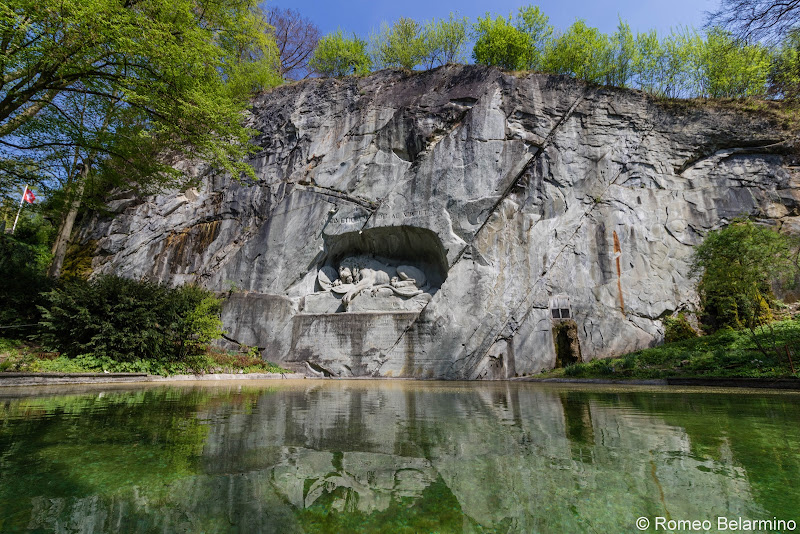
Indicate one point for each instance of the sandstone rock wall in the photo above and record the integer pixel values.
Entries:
(511, 194)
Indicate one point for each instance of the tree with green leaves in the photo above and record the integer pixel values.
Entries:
(737, 267)
(784, 74)
(621, 57)
(646, 70)
(581, 51)
(337, 55)
(500, 43)
(444, 41)
(535, 24)
(668, 67)
(732, 68)
(99, 81)
(403, 45)
(170, 60)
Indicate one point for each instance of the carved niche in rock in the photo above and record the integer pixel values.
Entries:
(384, 269)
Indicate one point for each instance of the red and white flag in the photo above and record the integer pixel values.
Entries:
(28, 196)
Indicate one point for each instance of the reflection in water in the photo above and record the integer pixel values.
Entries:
(392, 456)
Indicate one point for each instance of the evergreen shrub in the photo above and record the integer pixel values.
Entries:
(128, 320)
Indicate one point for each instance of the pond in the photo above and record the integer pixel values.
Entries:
(395, 456)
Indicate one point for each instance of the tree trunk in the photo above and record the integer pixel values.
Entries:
(65, 230)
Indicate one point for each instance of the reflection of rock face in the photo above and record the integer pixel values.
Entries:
(507, 190)
(508, 458)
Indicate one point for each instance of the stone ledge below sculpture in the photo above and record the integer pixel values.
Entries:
(346, 344)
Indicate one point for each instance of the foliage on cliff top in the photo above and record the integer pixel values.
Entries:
(684, 63)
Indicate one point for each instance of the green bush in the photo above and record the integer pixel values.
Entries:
(737, 268)
(127, 320)
(678, 329)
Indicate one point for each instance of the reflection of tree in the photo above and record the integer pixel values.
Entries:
(759, 433)
(103, 444)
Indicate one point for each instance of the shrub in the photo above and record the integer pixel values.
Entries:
(678, 328)
(738, 266)
(127, 320)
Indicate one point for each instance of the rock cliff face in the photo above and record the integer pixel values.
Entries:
(457, 223)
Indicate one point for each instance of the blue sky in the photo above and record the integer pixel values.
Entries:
(360, 16)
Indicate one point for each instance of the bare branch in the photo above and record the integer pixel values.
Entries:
(757, 20)
(296, 37)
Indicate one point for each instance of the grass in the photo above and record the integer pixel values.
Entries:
(726, 353)
(21, 356)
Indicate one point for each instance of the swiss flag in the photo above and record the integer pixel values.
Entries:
(28, 196)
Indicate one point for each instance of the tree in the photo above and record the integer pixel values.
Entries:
(498, 42)
(668, 67)
(621, 57)
(731, 68)
(535, 24)
(738, 266)
(102, 81)
(296, 38)
(754, 20)
(444, 41)
(784, 75)
(402, 45)
(581, 52)
(646, 70)
(24, 258)
(337, 55)
(169, 59)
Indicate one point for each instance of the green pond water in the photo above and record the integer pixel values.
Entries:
(393, 456)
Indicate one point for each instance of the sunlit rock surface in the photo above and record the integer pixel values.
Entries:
(508, 193)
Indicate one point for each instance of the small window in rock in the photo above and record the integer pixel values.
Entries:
(560, 307)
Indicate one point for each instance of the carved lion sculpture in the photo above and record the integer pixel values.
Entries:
(361, 273)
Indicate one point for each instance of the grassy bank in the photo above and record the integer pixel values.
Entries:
(20, 356)
(726, 353)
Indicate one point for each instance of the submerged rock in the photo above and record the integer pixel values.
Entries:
(484, 200)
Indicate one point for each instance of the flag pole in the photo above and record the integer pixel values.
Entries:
(21, 200)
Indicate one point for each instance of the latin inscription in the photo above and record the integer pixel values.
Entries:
(381, 217)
